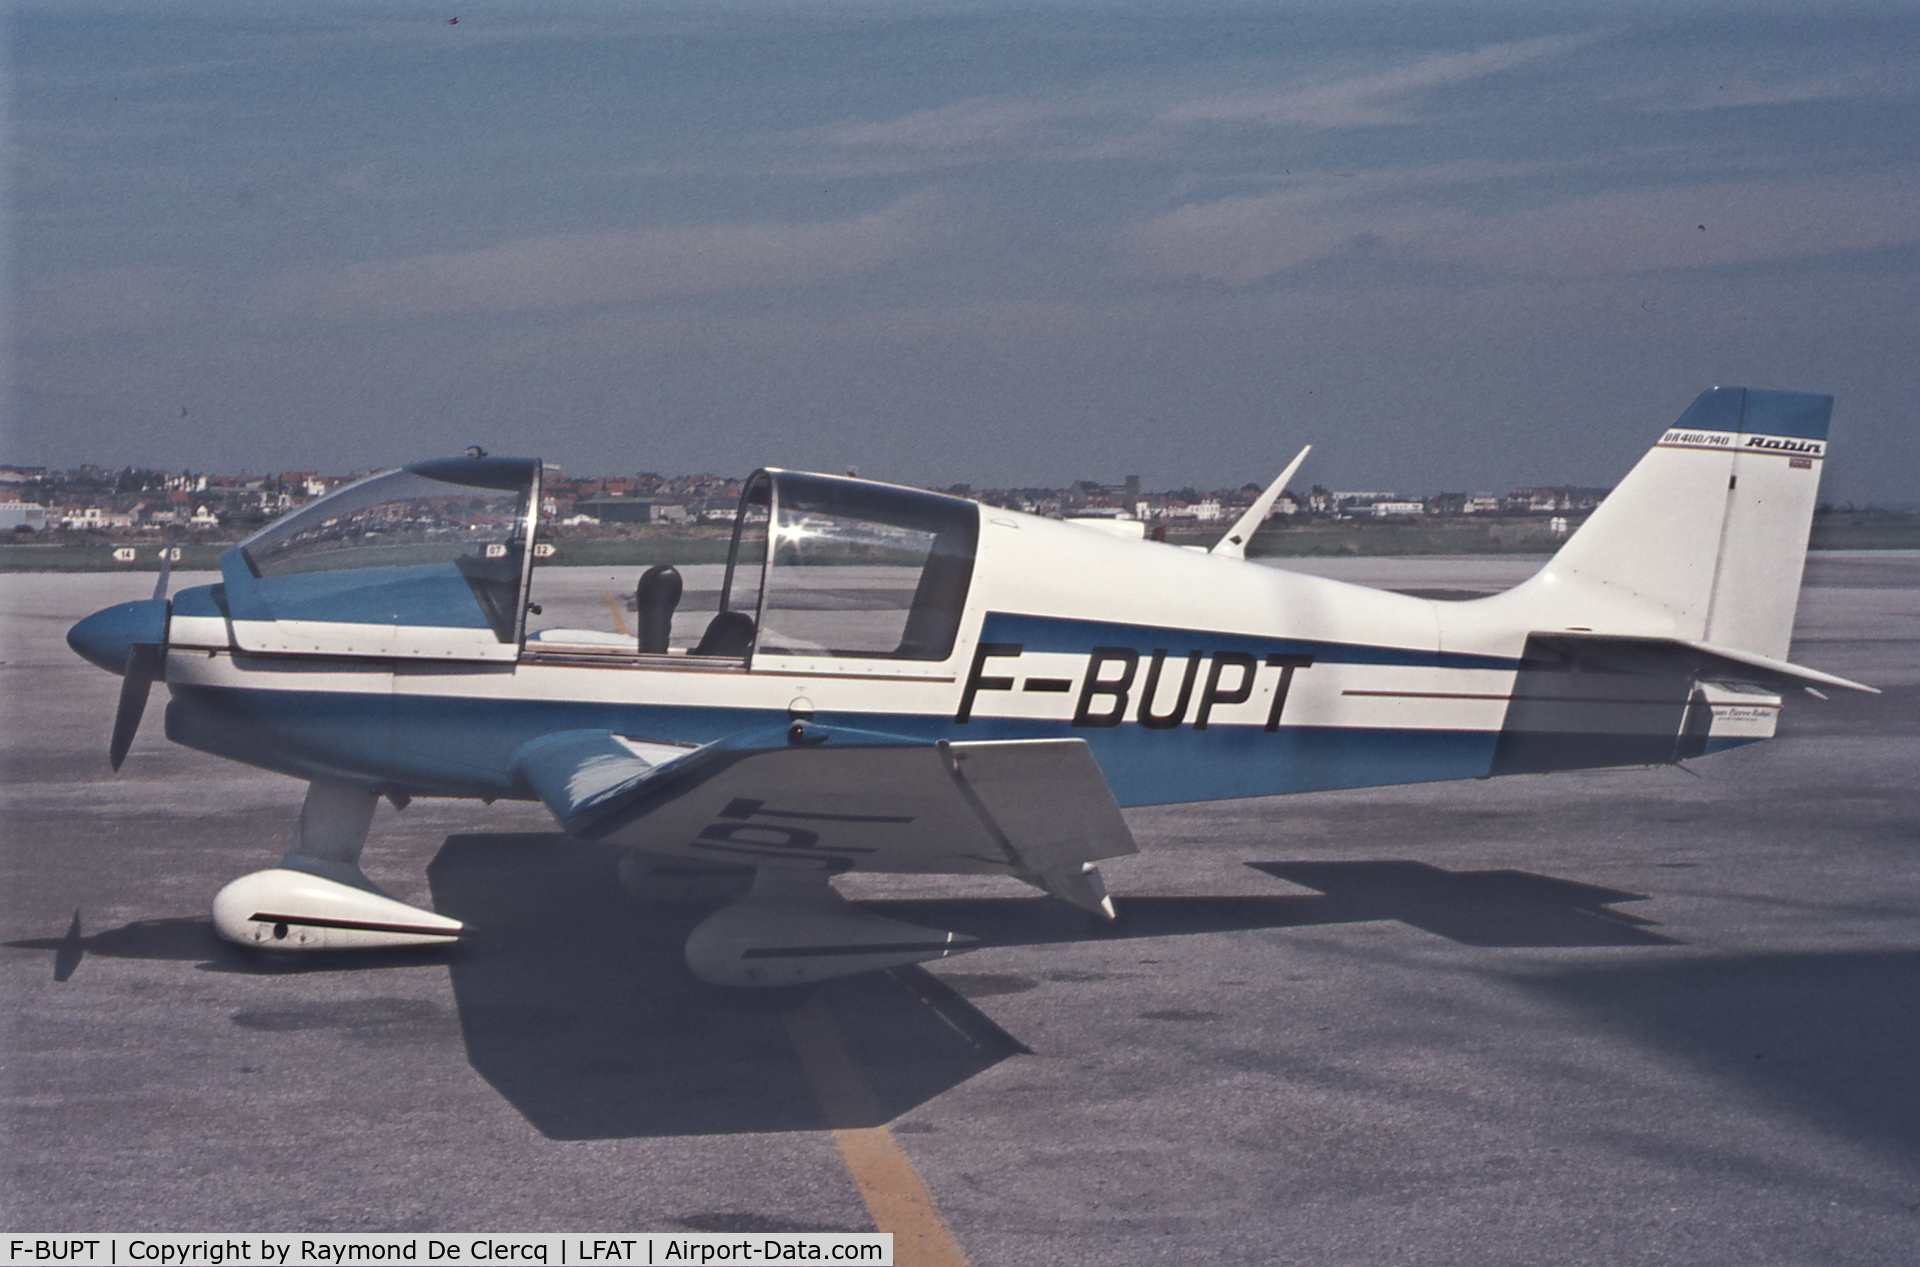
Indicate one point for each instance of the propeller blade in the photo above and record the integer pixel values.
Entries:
(166, 567)
(144, 662)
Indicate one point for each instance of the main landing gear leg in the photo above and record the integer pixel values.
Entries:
(318, 898)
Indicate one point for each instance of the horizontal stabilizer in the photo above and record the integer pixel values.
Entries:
(1703, 660)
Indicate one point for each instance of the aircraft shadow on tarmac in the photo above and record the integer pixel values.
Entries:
(576, 1005)
(1475, 908)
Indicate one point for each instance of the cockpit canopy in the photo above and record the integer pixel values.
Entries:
(428, 560)
(435, 560)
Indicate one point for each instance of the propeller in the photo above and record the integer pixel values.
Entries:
(145, 662)
(166, 567)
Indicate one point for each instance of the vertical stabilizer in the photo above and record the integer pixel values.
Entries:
(1706, 537)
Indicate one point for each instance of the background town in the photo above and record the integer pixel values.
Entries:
(103, 507)
(132, 498)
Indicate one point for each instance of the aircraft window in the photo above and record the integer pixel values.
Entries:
(649, 581)
(437, 544)
(865, 570)
(857, 570)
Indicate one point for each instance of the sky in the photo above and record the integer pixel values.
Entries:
(1454, 246)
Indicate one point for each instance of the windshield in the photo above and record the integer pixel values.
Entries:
(438, 544)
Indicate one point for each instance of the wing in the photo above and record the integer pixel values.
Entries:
(839, 799)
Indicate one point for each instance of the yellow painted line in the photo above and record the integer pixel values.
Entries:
(615, 606)
(896, 1197)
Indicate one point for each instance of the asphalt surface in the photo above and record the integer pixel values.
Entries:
(1636, 1016)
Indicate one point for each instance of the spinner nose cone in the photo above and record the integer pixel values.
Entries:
(105, 637)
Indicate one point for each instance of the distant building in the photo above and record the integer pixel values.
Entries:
(1085, 493)
(89, 517)
(1381, 509)
(631, 510)
(1537, 500)
(1549, 500)
(17, 515)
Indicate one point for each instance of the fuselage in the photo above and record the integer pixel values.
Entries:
(1191, 677)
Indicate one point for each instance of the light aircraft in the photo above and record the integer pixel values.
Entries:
(894, 680)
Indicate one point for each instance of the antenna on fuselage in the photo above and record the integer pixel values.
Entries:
(1234, 544)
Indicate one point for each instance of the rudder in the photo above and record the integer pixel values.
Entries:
(1709, 530)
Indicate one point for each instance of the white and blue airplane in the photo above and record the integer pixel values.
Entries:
(894, 680)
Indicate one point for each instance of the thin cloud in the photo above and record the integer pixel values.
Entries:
(1370, 100)
(981, 121)
(618, 266)
(1703, 226)
(979, 130)
(1738, 92)
(1245, 240)
(1109, 123)
(1239, 240)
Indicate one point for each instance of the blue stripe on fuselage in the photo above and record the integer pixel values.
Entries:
(1160, 767)
(456, 746)
(1078, 637)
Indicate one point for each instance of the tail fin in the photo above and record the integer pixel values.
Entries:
(1706, 537)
